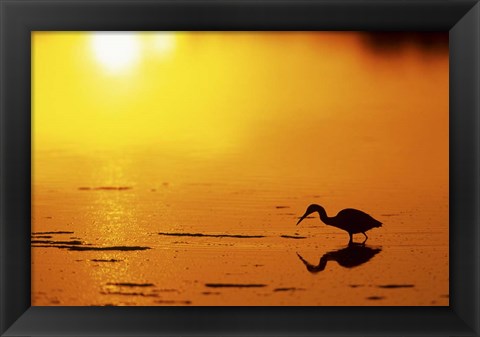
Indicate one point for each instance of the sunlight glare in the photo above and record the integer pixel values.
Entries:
(116, 51)
(164, 42)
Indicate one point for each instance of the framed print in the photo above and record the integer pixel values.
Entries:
(254, 168)
(129, 135)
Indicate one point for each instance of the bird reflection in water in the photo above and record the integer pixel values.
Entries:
(351, 256)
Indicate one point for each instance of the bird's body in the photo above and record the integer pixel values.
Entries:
(350, 220)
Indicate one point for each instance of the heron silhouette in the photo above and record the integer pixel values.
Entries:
(350, 220)
(353, 255)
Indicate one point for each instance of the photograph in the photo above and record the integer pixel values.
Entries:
(239, 168)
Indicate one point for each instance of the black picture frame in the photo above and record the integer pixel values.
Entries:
(461, 18)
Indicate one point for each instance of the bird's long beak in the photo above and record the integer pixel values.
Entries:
(303, 217)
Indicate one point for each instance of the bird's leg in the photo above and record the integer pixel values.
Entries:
(366, 237)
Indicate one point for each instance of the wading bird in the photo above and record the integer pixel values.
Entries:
(350, 220)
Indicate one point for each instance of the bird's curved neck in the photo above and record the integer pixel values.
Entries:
(318, 268)
(323, 215)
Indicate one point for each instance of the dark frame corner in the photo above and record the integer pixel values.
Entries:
(19, 17)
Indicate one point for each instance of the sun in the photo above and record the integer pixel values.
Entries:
(116, 51)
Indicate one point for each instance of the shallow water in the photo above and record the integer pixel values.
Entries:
(183, 220)
(142, 246)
